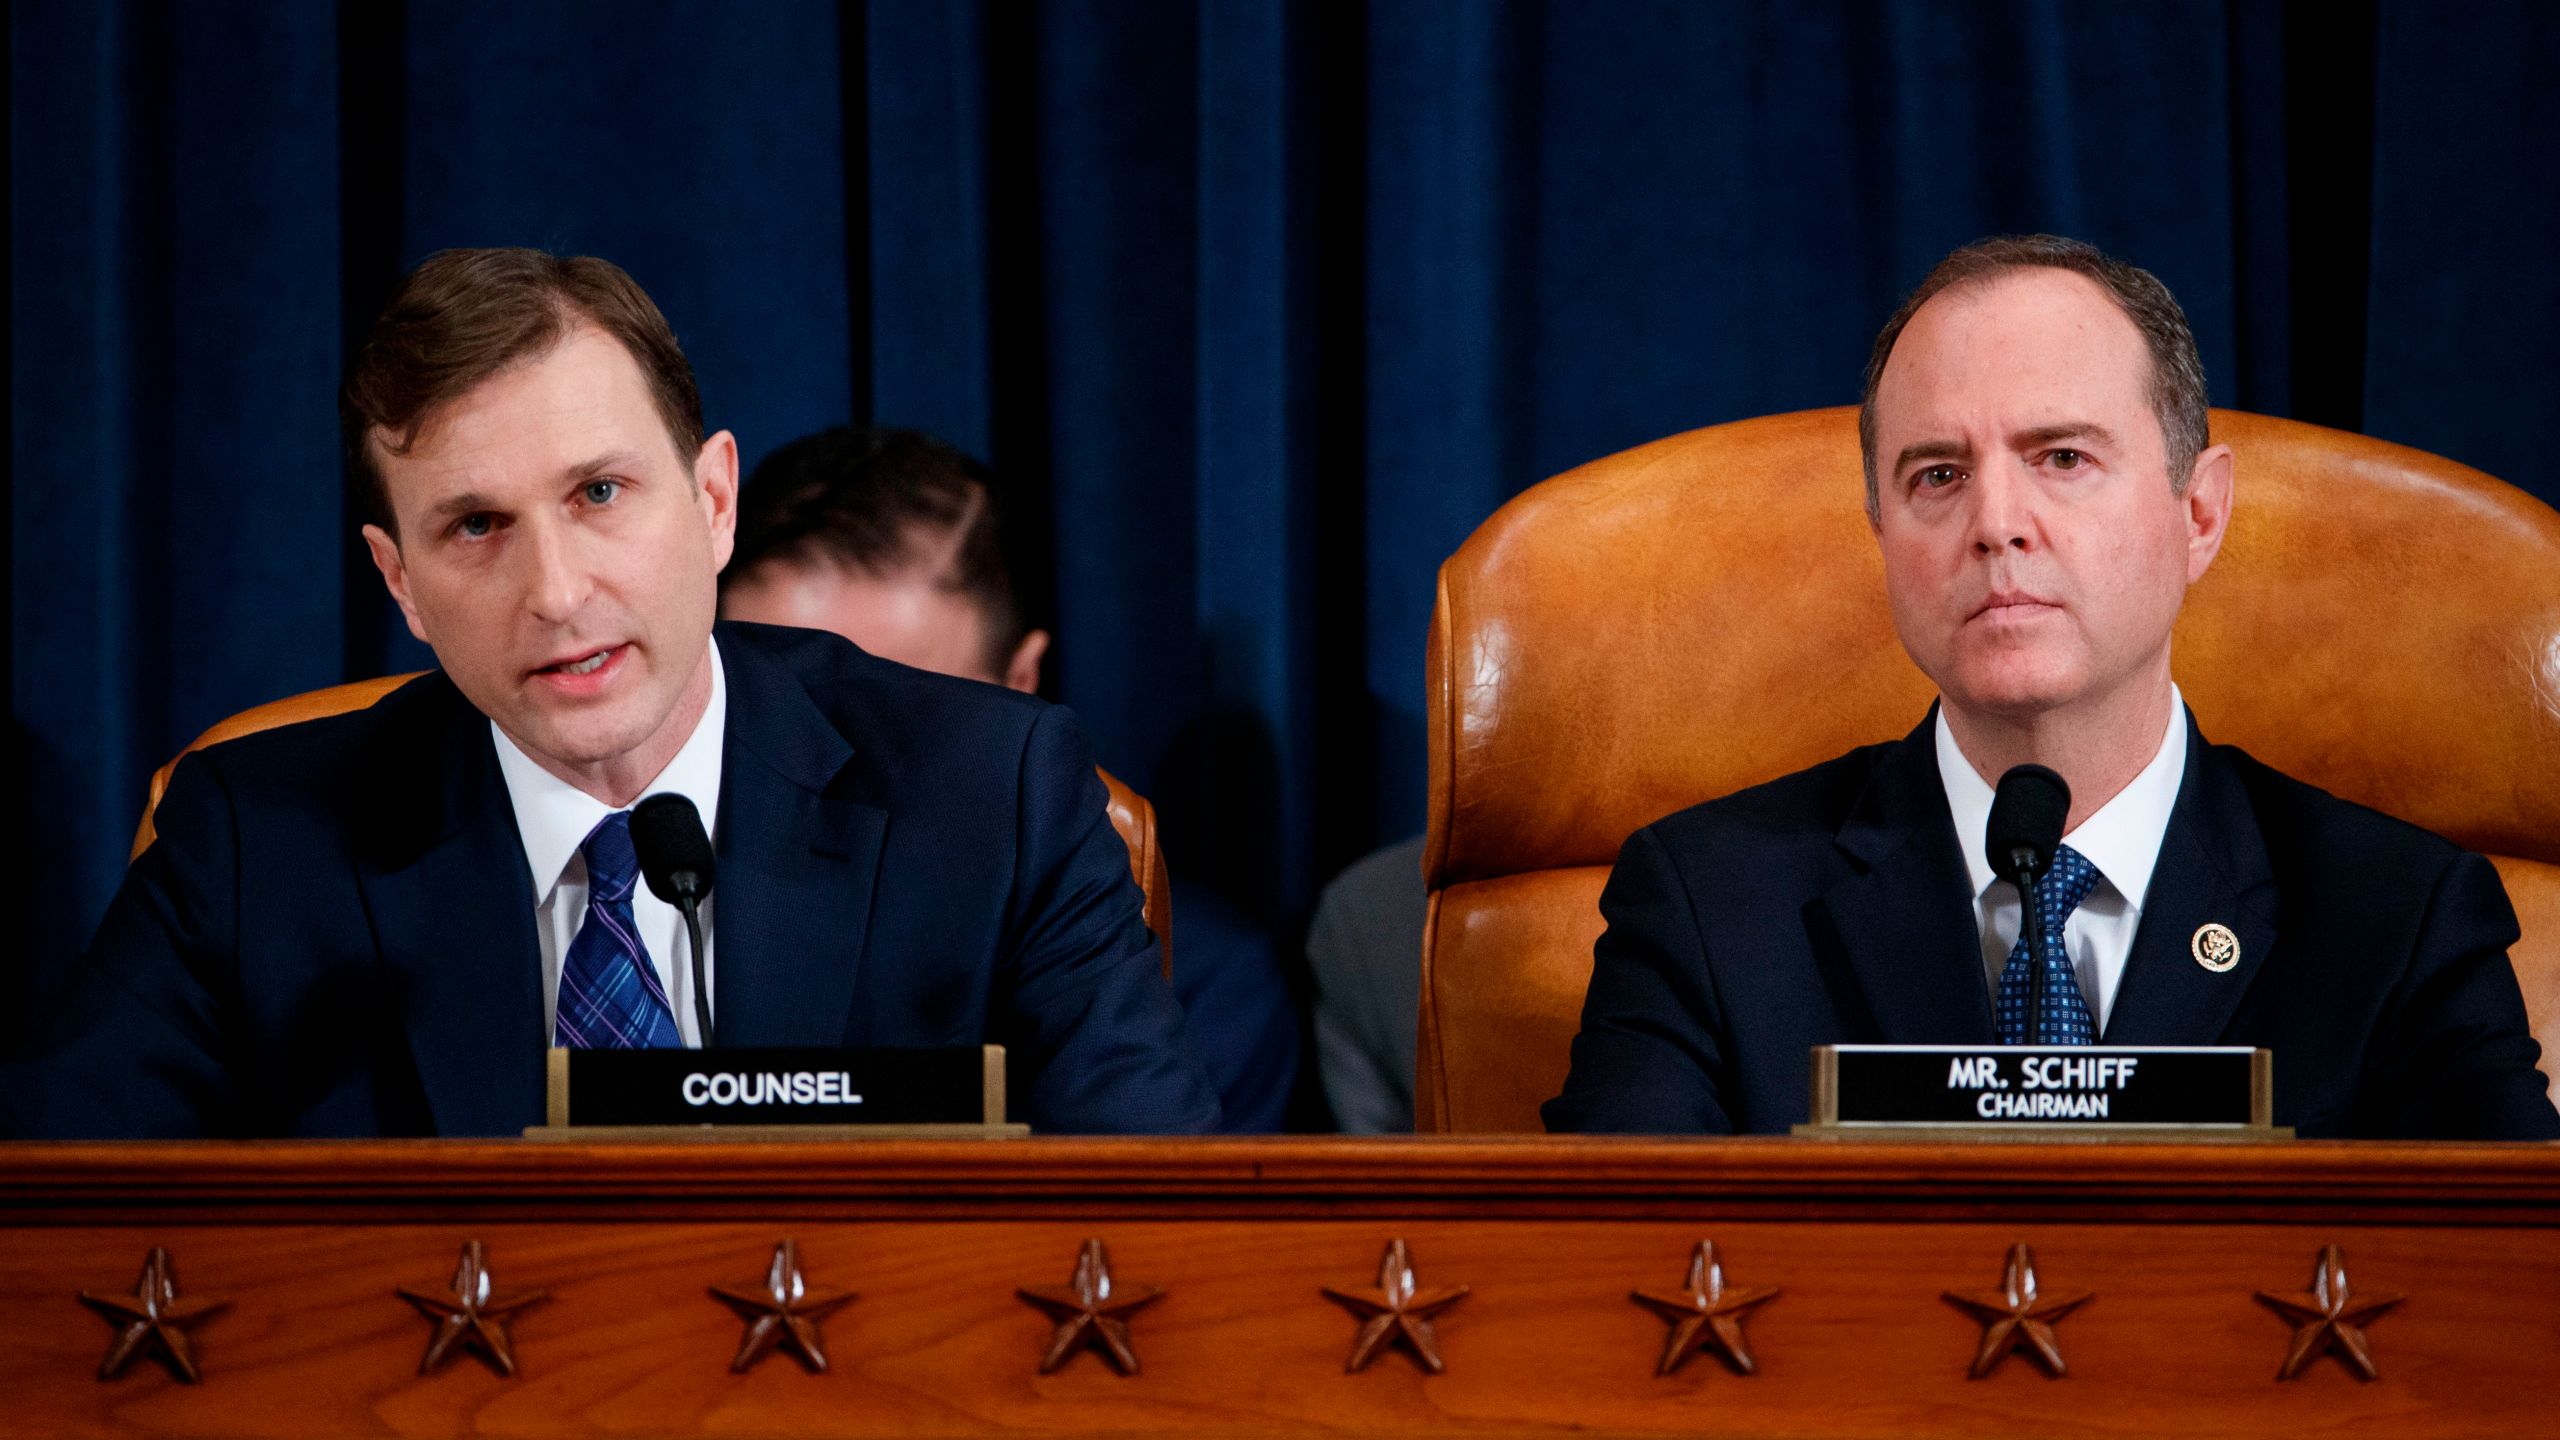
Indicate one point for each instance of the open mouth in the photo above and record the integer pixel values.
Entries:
(580, 666)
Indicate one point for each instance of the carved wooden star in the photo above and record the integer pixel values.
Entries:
(1394, 1311)
(2328, 1317)
(2018, 1315)
(1705, 1314)
(152, 1318)
(783, 1311)
(1089, 1312)
(470, 1314)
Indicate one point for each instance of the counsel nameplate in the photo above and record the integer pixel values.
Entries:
(2183, 1088)
(942, 1085)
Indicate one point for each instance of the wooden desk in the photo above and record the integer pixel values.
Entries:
(308, 1244)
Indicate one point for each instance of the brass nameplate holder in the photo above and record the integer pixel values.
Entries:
(776, 1094)
(2020, 1092)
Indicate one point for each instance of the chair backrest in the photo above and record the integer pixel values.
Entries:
(1130, 812)
(1135, 818)
(1707, 612)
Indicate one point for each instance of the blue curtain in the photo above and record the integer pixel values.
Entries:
(1259, 307)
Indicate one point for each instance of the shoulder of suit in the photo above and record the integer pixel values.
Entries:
(1382, 885)
(863, 694)
(333, 751)
(2300, 820)
(1810, 804)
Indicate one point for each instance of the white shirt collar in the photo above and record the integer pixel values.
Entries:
(2122, 840)
(554, 817)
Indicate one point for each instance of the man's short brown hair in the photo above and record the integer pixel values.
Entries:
(880, 501)
(465, 315)
(2177, 372)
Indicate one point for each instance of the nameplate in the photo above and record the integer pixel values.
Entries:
(2219, 1088)
(939, 1086)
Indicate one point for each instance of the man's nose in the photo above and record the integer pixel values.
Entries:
(2004, 509)
(559, 584)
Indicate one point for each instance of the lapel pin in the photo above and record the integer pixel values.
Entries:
(2215, 947)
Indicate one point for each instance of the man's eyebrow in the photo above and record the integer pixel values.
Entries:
(612, 462)
(1930, 450)
(453, 507)
(2088, 430)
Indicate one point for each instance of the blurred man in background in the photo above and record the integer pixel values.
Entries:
(1364, 955)
(897, 541)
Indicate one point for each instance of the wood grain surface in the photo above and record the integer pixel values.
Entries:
(309, 1242)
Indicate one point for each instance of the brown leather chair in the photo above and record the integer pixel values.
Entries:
(1131, 814)
(1707, 612)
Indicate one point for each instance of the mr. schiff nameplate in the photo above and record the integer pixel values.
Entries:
(2224, 1090)
(911, 1088)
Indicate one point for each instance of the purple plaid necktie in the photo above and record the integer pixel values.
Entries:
(609, 993)
(2066, 883)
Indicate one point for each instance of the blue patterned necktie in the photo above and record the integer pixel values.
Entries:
(610, 998)
(2066, 883)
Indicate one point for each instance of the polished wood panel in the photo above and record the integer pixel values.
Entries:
(310, 1242)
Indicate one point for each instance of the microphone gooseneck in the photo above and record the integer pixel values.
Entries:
(2028, 811)
(676, 859)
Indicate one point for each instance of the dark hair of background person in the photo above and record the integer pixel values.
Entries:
(2177, 371)
(463, 316)
(879, 500)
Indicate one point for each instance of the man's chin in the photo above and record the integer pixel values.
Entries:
(575, 747)
(2011, 693)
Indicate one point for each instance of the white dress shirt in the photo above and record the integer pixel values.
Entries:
(555, 817)
(2122, 841)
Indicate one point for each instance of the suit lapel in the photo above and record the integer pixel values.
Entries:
(2213, 869)
(797, 864)
(443, 875)
(1906, 921)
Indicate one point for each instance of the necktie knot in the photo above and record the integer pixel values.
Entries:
(2067, 1021)
(2067, 882)
(612, 864)
(610, 998)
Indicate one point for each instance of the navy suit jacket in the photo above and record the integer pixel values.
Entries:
(334, 932)
(1833, 906)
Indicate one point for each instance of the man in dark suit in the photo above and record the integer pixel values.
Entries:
(2040, 486)
(377, 923)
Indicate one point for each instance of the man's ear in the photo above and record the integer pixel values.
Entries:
(2208, 509)
(715, 484)
(395, 576)
(1022, 672)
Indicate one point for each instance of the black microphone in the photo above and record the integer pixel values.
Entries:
(2027, 815)
(675, 858)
